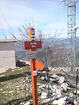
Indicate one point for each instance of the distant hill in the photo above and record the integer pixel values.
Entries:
(57, 55)
(65, 42)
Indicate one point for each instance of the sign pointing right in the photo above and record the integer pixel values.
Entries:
(39, 65)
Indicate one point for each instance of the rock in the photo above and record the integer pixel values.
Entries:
(69, 88)
(18, 90)
(76, 102)
(60, 101)
(51, 88)
(54, 87)
(49, 68)
(27, 103)
(41, 86)
(42, 78)
(24, 81)
(55, 76)
(12, 70)
(38, 84)
(0, 89)
(22, 103)
(71, 94)
(11, 92)
(57, 91)
(61, 79)
(43, 72)
(77, 91)
(43, 95)
(47, 100)
(27, 78)
(70, 101)
(51, 79)
(64, 86)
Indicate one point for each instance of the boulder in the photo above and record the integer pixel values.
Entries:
(64, 86)
(43, 95)
(41, 86)
(55, 76)
(77, 92)
(57, 91)
(61, 101)
(42, 78)
(71, 94)
(61, 79)
(76, 102)
(27, 103)
(51, 79)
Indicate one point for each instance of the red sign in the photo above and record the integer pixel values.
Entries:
(32, 44)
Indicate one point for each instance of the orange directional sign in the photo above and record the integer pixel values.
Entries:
(39, 65)
(35, 65)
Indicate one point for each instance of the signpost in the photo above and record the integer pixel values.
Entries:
(33, 45)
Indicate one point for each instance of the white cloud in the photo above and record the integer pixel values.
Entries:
(17, 14)
(53, 27)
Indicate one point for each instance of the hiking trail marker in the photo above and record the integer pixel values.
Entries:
(33, 45)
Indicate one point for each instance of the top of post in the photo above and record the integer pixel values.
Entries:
(32, 34)
(32, 44)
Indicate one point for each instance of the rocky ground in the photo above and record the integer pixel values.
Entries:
(16, 88)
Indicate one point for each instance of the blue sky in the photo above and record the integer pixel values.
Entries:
(47, 15)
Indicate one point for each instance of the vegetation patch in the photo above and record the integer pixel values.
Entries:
(13, 86)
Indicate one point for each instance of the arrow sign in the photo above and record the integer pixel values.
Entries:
(39, 65)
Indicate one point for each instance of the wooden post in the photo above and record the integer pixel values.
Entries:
(33, 70)
(33, 45)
